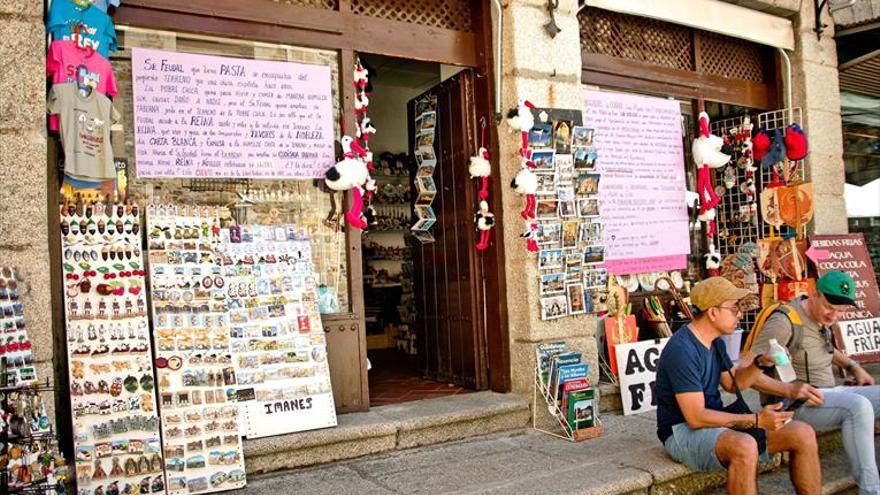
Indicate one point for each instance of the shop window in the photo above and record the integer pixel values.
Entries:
(446, 14)
(250, 201)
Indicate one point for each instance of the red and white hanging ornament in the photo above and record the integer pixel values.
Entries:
(480, 167)
(485, 221)
(706, 150)
(531, 236)
(363, 129)
(713, 261)
(351, 173)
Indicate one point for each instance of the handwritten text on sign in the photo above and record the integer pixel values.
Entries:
(642, 193)
(861, 336)
(637, 365)
(219, 117)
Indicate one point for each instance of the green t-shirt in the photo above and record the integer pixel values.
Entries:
(85, 131)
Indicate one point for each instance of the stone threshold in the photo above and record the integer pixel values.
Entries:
(388, 428)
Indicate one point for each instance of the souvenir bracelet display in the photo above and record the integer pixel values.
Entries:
(15, 346)
(276, 338)
(113, 398)
(200, 420)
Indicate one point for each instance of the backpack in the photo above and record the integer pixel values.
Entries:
(797, 326)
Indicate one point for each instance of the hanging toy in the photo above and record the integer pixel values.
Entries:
(365, 128)
(744, 143)
(706, 150)
(485, 220)
(531, 236)
(713, 261)
(481, 168)
(526, 182)
(350, 173)
(521, 119)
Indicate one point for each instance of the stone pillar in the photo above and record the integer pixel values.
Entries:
(816, 89)
(23, 170)
(547, 72)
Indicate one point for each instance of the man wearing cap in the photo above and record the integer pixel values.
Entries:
(692, 422)
(853, 409)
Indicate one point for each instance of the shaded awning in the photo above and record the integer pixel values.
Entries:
(862, 74)
(710, 15)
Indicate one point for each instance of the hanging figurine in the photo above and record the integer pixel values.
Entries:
(481, 168)
(526, 183)
(706, 150)
(531, 236)
(521, 119)
(485, 220)
(713, 261)
(350, 173)
(363, 129)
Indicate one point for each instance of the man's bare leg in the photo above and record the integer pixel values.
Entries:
(805, 470)
(739, 452)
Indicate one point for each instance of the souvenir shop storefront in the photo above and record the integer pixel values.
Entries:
(245, 243)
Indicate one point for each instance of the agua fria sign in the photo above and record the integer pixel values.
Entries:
(859, 329)
(637, 365)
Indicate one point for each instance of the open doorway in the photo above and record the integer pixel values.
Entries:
(424, 336)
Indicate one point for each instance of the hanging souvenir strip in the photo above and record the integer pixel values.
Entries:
(425, 130)
(15, 346)
(277, 341)
(113, 400)
(196, 380)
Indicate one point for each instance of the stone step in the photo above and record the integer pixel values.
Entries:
(389, 428)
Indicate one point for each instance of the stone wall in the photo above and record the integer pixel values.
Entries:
(547, 72)
(24, 229)
(816, 89)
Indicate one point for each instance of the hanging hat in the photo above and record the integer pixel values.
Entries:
(776, 153)
(795, 142)
(760, 144)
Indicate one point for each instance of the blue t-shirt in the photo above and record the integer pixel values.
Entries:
(686, 365)
(96, 28)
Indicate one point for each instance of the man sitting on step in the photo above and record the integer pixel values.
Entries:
(808, 339)
(694, 425)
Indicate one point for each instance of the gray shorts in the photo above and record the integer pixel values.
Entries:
(696, 448)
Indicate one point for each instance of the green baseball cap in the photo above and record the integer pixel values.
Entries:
(837, 287)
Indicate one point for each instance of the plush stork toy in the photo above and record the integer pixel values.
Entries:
(481, 168)
(526, 183)
(713, 261)
(531, 236)
(706, 150)
(485, 220)
(350, 173)
(521, 119)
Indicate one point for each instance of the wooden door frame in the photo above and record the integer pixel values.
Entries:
(349, 33)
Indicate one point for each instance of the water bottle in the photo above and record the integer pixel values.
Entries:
(783, 363)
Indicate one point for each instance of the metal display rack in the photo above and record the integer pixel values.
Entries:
(568, 432)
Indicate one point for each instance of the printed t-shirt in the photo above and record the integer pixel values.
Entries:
(104, 4)
(812, 350)
(96, 29)
(65, 60)
(686, 365)
(85, 131)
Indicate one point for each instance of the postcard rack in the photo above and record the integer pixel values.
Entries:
(549, 404)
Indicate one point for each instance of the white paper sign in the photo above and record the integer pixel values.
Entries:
(861, 336)
(637, 365)
(288, 415)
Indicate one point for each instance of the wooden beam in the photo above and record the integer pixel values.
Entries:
(265, 20)
(629, 74)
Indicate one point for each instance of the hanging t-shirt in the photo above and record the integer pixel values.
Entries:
(104, 4)
(85, 131)
(90, 26)
(67, 63)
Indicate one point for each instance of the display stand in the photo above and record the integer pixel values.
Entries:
(568, 432)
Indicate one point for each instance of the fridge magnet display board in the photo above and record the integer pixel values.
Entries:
(113, 395)
(276, 337)
(196, 380)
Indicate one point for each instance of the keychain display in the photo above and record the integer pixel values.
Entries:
(113, 395)
(196, 380)
(29, 457)
(15, 346)
(277, 342)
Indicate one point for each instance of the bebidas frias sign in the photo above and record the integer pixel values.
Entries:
(859, 329)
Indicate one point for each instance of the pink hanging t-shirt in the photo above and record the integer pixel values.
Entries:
(66, 60)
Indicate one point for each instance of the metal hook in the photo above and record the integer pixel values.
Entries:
(551, 27)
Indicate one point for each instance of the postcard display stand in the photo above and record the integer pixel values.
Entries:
(277, 340)
(200, 419)
(565, 412)
(113, 396)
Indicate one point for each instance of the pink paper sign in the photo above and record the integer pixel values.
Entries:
(642, 191)
(219, 117)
